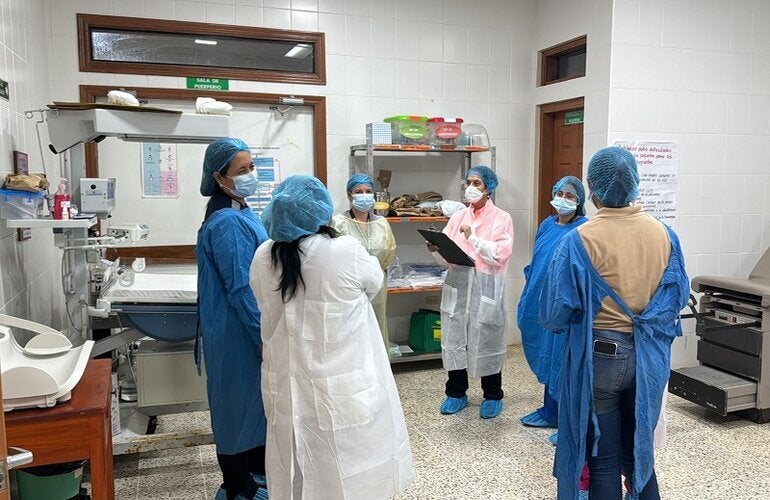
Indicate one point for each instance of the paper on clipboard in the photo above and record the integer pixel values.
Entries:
(448, 248)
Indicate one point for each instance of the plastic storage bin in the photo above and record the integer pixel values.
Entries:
(50, 482)
(444, 132)
(425, 331)
(409, 129)
(20, 204)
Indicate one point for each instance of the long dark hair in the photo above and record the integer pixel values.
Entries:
(287, 253)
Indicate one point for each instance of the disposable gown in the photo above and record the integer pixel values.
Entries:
(571, 297)
(230, 328)
(542, 348)
(378, 240)
(472, 298)
(336, 428)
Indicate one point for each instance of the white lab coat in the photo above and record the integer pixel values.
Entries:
(336, 429)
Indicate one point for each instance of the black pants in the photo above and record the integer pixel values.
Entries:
(457, 384)
(237, 470)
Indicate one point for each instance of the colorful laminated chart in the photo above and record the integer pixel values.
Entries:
(268, 172)
(160, 172)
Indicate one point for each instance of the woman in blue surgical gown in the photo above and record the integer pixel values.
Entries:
(542, 348)
(229, 321)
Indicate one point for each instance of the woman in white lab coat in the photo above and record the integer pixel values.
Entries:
(336, 429)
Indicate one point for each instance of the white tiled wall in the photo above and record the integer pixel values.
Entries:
(690, 71)
(383, 57)
(698, 73)
(28, 270)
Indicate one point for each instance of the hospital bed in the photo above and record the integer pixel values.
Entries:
(155, 312)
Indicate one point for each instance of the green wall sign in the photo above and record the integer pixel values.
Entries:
(208, 83)
(573, 117)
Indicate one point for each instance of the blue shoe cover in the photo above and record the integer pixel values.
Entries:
(259, 479)
(553, 438)
(529, 416)
(490, 408)
(535, 420)
(453, 405)
(583, 495)
(260, 495)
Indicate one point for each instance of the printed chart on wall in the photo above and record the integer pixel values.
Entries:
(160, 170)
(267, 166)
(658, 170)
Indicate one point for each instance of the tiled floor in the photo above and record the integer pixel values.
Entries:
(464, 457)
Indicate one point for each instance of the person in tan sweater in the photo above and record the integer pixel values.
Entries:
(615, 288)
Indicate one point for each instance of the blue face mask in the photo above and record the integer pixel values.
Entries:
(563, 206)
(245, 185)
(363, 202)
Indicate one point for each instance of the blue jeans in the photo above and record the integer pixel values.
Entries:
(615, 407)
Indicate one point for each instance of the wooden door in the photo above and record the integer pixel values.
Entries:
(561, 149)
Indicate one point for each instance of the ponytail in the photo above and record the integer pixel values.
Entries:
(287, 254)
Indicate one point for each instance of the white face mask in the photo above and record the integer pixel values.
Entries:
(473, 194)
(563, 206)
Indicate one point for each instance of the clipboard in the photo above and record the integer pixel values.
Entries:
(447, 248)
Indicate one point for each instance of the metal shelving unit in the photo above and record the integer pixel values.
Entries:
(369, 152)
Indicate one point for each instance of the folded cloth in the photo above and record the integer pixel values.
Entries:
(122, 98)
(210, 106)
(26, 182)
(429, 196)
(404, 201)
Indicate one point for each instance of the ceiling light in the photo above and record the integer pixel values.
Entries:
(300, 50)
(205, 42)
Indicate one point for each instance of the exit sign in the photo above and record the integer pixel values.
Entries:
(208, 83)
(573, 117)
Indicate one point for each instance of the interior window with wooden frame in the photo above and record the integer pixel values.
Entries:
(140, 46)
(564, 61)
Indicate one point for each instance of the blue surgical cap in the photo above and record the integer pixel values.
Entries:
(573, 185)
(486, 174)
(300, 206)
(358, 179)
(218, 156)
(613, 177)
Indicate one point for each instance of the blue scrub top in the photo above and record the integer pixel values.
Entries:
(230, 328)
(571, 297)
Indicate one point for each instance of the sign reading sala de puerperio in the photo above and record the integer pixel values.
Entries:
(207, 83)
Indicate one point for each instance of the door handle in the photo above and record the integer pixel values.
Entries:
(21, 457)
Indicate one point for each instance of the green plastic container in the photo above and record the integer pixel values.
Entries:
(409, 129)
(54, 482)
(425, 331)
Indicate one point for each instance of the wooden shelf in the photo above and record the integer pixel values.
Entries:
(416, 289)
(396, 220)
